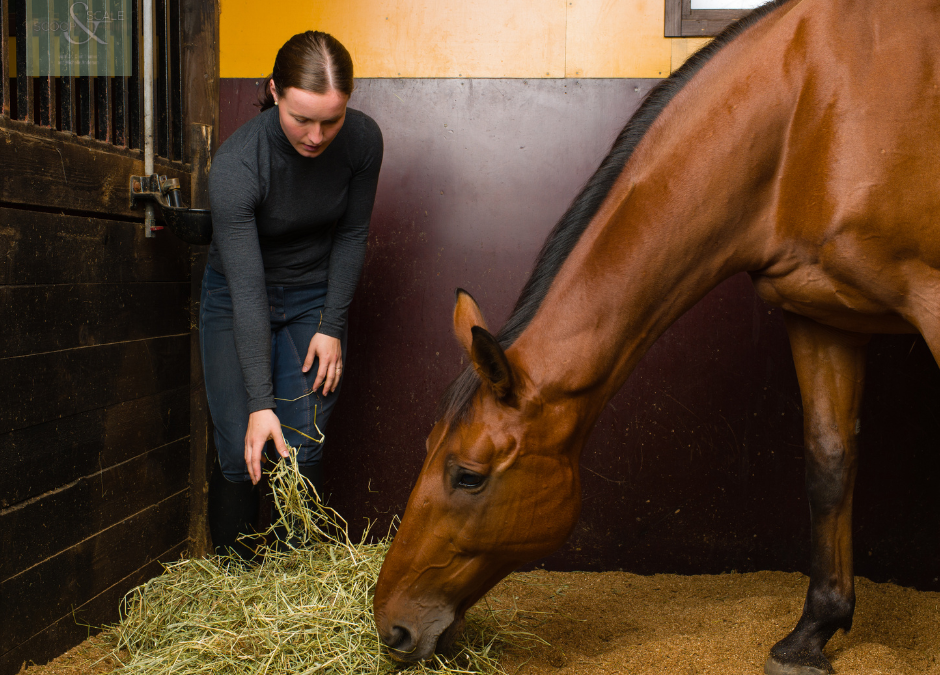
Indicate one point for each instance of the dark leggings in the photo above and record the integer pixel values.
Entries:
(295, 315)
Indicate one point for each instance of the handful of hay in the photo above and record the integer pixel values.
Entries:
(305, 609)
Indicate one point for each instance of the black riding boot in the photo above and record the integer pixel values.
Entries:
(314, 475)
(233, 509)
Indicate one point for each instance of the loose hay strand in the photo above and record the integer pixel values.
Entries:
(307, 608)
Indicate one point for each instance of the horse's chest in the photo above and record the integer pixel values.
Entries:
(835, 299)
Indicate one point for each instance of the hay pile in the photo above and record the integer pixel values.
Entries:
(305, 609)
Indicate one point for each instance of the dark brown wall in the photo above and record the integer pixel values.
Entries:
(94, 421)
(102, 427)
(696, 465)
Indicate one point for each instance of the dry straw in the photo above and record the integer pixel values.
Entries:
(307, 608)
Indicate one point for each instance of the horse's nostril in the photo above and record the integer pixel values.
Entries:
(400, 640)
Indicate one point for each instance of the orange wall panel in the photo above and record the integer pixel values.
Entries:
(485, 38)
(683, 48)
(404, 38)
(617, 38)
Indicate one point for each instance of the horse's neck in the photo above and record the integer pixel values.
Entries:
(690, 209)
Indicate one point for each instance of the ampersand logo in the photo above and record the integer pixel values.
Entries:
(89, 30)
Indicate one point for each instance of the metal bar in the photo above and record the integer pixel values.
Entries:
(24, 85)
(103, 107)
(67, 104)
(148, 108)
(57, 107)
(5, 93)
(46, 97)
(134, 88)
(120, 110)
(175, 80)
(84, 95)
(118, 89)
(161, 98)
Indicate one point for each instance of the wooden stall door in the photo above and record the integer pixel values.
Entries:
(102, 425)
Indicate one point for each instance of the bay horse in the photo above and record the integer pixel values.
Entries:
(802, 146)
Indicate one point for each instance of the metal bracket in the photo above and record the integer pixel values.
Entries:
(191, 225)
(165, 191)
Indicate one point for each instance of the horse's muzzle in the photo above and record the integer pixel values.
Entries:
(407, 645)
(400, 642)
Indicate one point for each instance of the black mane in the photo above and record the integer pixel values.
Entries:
(560, 242)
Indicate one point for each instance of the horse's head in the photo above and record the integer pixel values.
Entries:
(498, 488)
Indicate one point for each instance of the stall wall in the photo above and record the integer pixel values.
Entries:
(102, 424)
(494, 114)
(488, 38)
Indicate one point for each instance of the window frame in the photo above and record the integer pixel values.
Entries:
(683, 21)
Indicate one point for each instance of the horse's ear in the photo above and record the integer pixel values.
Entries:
(467, 314)
(491, 363)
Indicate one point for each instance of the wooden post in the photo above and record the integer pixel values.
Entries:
(201, 448)
(673, 18)
(200, 34)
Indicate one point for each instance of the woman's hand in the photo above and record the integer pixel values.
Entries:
(263, 425)
(330, 352)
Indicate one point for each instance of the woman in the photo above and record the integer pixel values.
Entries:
(291, 194)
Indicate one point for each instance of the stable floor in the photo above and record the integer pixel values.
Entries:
(615, 622)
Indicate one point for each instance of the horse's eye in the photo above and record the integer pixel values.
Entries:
(468, 480)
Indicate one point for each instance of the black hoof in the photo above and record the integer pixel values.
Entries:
(775, 667)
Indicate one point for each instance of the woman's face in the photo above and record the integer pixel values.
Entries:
(310, 121)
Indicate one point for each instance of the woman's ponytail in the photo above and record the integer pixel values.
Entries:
(265, 97)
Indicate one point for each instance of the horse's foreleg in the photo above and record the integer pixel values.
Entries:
(830, 367)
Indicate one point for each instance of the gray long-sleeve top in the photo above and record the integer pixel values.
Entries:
(282, 219)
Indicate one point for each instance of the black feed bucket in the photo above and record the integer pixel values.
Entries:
(194, 226)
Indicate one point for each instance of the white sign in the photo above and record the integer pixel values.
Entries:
(726, 4)
(78, 38)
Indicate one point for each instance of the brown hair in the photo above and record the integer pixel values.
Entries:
(313, 61)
